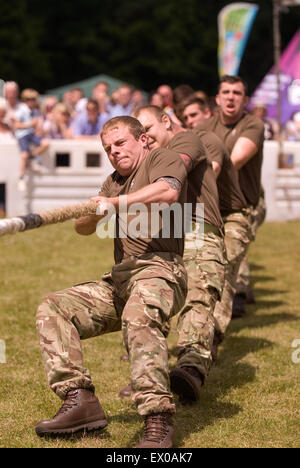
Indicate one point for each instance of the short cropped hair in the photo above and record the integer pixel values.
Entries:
(134, 126)
(157, 111)
(232, 79)
(203, 105)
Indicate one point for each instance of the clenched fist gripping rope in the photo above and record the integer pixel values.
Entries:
(35, 220)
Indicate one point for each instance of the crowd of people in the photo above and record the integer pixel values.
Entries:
(34, 120)
(180, 147)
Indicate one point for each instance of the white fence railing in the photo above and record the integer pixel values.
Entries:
(76, 169)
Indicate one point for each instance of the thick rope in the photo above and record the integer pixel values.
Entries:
(34, 220)
(60, 215)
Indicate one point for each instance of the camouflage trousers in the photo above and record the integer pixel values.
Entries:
(258, 215)
(205, 266)
(237, 240)
(138, 296)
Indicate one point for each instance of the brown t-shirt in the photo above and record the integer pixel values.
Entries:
(138, 234)
(230, 194)
(202, 187)
(249, 126)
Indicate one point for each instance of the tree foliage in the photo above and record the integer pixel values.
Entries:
(145, 42)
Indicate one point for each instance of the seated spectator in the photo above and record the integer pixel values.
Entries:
(201, 94)
(25, 122)
(100, 94)
(167, 96)
(88, 124)
(125, 104)
(291, 131)
(13, 102)
(156, 100)
(271, 131)
(47, 107)
(138, 99)
(6, 134)
(166, 93)
(57, 126)
(78, 100)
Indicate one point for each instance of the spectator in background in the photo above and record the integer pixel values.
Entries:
(100, 94)
(47, 107)
(156, 100)
(271, 132)
(180, 93)
(138, 99)
(6, 134)
(68, 100)
(25, 123)
(201, 94)
(78, 100)
(167, 96)
(89, 123)
(13, 102)
(124, 104)
(291, 132)
(57, 126)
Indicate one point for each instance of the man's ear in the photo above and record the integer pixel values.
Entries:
(217, 100)
(166, 121)
(144, 140)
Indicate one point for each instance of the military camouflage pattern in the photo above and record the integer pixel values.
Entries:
(237, 240)
(258, 215)
(205, 268)
(138, 296)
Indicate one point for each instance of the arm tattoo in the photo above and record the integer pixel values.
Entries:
(172, 182)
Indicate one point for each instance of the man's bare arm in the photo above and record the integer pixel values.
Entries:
(87, 224)
(163, 190)
(242, 152)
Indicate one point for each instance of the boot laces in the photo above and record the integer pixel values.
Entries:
(156, 427)
(69, 403)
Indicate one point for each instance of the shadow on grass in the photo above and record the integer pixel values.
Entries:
(227, 375)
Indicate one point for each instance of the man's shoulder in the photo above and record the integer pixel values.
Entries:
(206, 124)
(250, 120)
(184, 137)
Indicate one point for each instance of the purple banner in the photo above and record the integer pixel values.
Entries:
(266, 92)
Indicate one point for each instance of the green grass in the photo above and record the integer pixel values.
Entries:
(251, 398)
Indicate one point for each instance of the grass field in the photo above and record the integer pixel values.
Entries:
(252, 396)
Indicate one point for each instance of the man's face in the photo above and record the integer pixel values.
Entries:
(123, 150)
(232, 101)
(156, 131)
(192, 115)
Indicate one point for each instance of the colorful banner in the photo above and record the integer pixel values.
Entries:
(266, 92)
(234, 22)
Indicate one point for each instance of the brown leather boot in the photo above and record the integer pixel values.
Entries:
(158, 431)
(81, 410)
(186, 382)
(126, 391)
